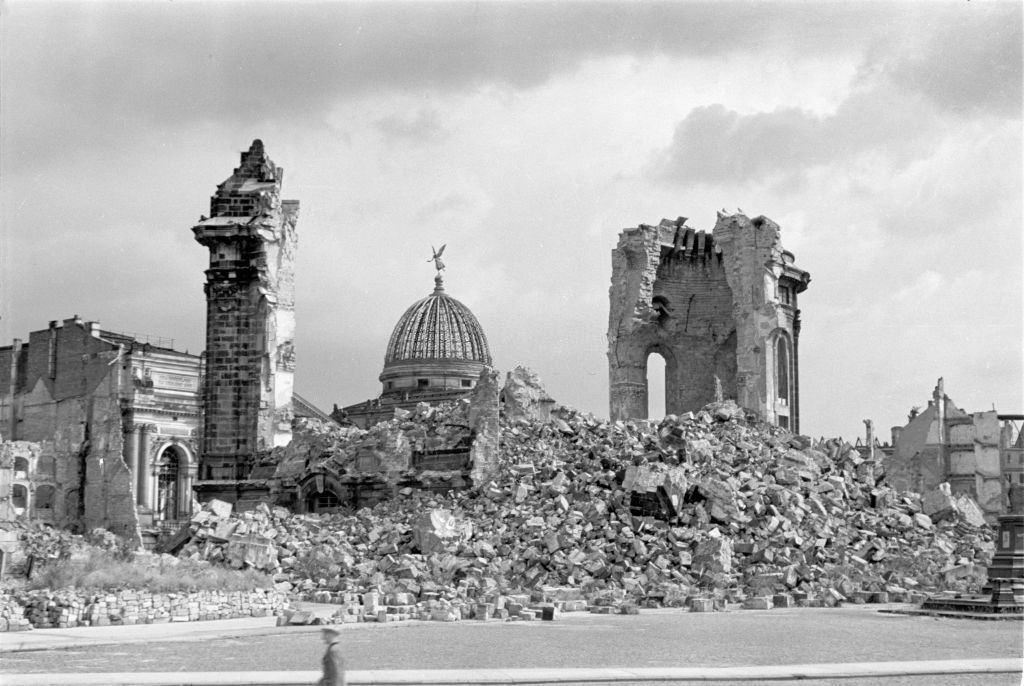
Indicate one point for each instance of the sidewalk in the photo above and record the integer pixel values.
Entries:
(463, 677)
(57, 639)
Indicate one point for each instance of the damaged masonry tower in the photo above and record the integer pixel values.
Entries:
(719, 308)
(250, 325)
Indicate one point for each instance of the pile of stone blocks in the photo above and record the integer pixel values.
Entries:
(698, 510)
(68, 608)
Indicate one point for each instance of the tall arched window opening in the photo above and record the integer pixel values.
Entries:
(167, 484)
(656, 370)
(782, 369)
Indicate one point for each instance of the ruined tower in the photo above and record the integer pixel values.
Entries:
(250, 322)
(721, 308)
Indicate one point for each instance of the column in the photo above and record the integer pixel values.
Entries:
(186, 469)
(145, 476)
(131, 455)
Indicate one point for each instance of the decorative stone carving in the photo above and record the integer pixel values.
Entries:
(286, 356)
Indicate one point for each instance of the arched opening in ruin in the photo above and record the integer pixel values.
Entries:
(324, 501)
(784, 382)
(45, 497)
(169, 468)
(19, 499)
(20, 468)
(657, 369)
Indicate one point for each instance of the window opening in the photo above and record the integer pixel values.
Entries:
(782, 369)
(19, 499)
(45, 496)
(167, 485)
(656, 371)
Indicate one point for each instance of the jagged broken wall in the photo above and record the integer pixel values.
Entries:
(250, 327)
(66, 431)
(719, 308)
(446, 447)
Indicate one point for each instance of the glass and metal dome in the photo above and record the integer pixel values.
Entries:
(438, 344)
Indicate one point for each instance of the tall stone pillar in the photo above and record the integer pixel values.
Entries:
(132, 447)
(250, 321)
(628, 392)
(145, 473)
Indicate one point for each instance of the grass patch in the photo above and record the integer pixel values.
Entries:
(100, 572)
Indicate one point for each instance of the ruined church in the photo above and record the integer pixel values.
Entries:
(720, 308)
(113, 430)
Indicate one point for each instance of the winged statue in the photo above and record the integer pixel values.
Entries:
(438, 264)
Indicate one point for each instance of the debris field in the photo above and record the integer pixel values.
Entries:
(696, 511)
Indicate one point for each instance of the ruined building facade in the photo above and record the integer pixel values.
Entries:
(250, 323)
(100, 428)
(978, 453)
(720, 308)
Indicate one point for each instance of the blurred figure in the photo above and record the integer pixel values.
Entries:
(334, 664)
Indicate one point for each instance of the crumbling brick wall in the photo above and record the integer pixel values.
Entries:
(721, 310)
(67, 400)
(250, 326)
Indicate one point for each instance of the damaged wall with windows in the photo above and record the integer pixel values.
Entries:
(61, 413)
(720, 308)
(977, 453)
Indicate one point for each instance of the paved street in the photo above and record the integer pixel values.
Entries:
(663, 638)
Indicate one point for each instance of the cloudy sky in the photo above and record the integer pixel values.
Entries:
(885, 139)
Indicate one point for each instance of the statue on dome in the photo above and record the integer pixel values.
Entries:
(438, 264)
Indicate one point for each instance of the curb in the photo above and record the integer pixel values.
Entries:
(493, 677)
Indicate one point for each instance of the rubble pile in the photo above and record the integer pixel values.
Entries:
(71, 607)
(704, 507)
(386, 451)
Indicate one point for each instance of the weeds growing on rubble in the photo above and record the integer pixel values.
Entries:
(100, 571)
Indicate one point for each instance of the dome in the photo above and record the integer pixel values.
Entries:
(438, 327)
(437, 345)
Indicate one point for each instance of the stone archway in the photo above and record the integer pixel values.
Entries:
(173, 471)
(168, 468)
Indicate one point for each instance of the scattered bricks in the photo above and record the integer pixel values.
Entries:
(301, 618)
(702, 605)
(833, 598)
(783, 600)
(757, 603)
(559, 515)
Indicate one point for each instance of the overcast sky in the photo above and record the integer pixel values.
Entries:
(884, 138)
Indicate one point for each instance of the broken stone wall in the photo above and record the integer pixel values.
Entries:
(987, 471)
(756, 268)
(713, 307)
(250, 327)
(68, 403)
(484, 424)
(523, 396)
